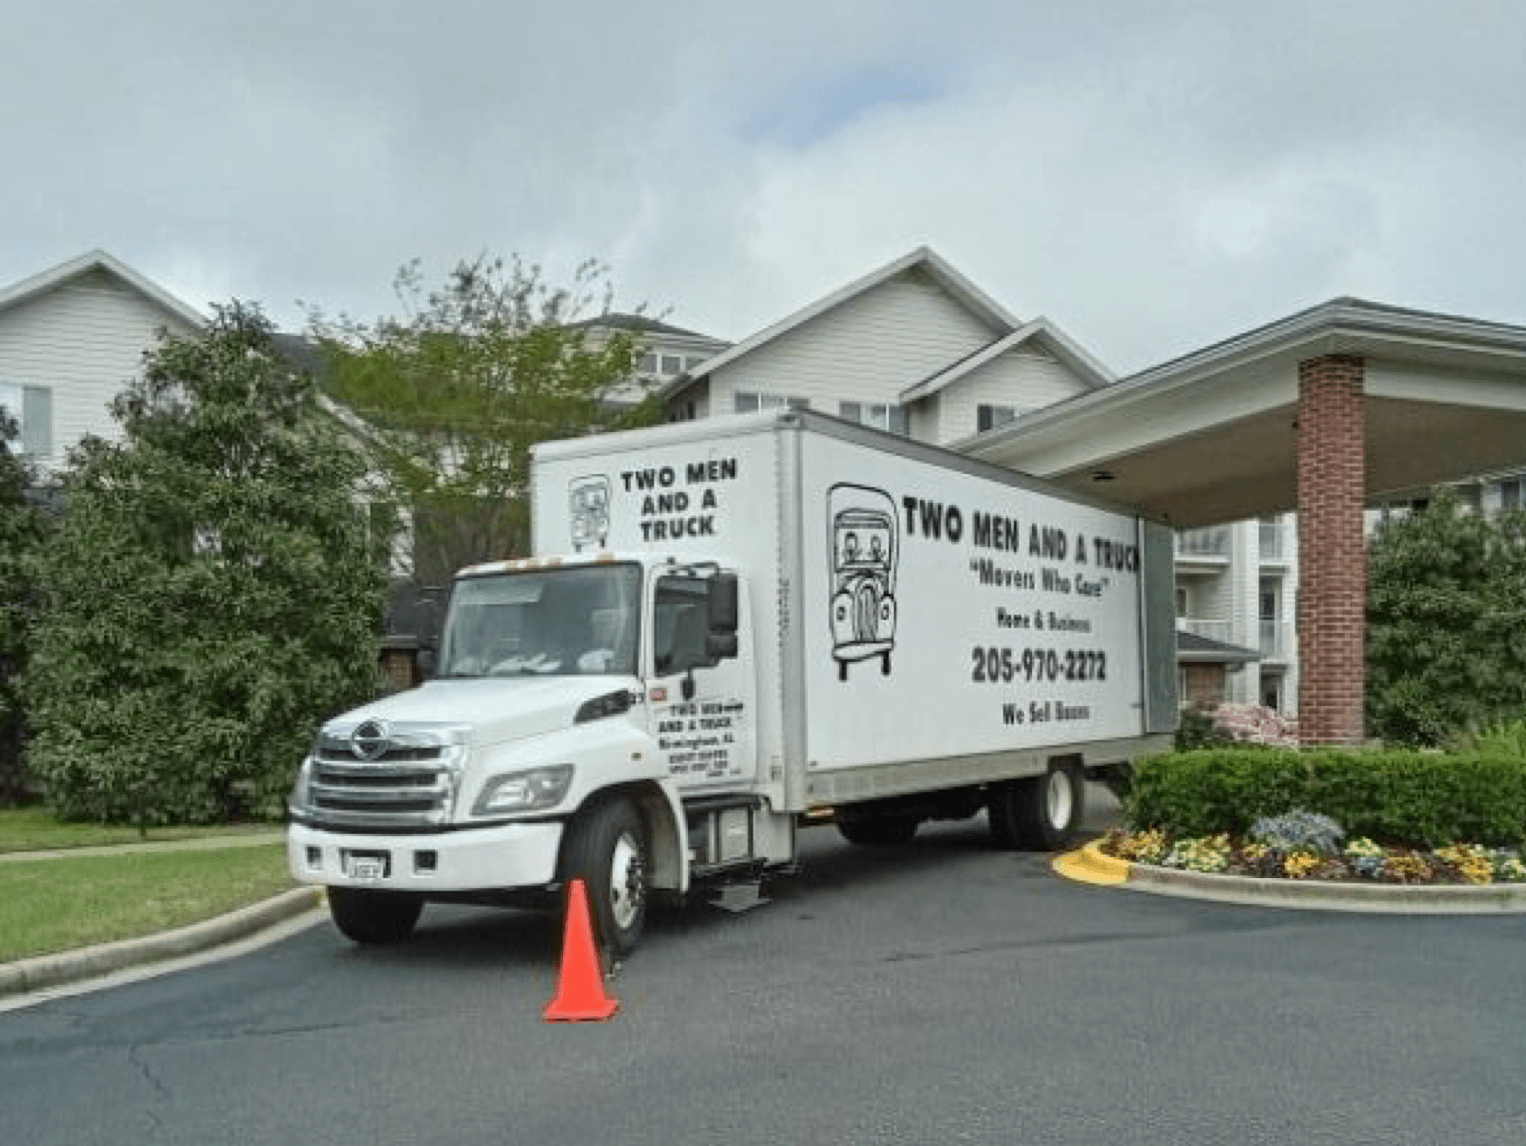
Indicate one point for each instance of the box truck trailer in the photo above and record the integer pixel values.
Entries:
(734, 629)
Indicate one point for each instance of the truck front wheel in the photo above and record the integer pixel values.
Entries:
(1042, 813)
(370, 916)
(608, 850)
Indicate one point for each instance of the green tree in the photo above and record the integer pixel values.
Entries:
(456, 391)
(21, 533)
(1446, 623)
(212, 593)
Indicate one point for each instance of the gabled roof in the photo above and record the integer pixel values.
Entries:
(1195, 647)
(923, 258)
(638, 324)
(1041, 332)
(48, 280)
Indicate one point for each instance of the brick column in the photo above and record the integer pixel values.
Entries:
(1332, 556)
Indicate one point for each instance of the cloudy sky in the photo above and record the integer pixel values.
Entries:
(1151, 175)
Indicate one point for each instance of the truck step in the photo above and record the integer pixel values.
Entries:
(738, 897)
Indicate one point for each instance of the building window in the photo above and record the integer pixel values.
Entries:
(672, 364)
(32, 409)
(747, 401)
(1268, 600)
(1271, 693)
(989, 417)
(880, 415)
(1181, 600)
(1510, 494)
(648, 364)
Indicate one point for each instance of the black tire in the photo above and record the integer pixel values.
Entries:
(609, 851)
(1039, 814)
(370, 916)
(878, 831)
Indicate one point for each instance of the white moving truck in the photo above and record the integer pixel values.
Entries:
(751, 624)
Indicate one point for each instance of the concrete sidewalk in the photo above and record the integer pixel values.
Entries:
(197, 843)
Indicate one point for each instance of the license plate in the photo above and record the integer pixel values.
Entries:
(367, 867)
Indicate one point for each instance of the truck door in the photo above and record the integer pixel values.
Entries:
(704, 729)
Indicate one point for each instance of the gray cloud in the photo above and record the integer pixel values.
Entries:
(1152, 176)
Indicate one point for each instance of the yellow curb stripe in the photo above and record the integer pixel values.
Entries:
(1090, 865)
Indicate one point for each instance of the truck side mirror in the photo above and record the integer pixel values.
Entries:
(721, 641)
(723, 603)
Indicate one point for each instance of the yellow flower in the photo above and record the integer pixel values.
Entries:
(1299, 865)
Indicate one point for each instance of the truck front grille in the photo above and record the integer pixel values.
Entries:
(407, 787)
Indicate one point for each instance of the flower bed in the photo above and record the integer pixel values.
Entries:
(1359, 860)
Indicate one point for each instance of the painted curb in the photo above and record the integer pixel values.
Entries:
(1088, 863)
(1091, 865)
(65, 967)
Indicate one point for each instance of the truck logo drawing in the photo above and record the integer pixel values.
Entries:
(862, 544)
(589, 511)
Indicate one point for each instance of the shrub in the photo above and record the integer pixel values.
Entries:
(1299, 830)
(1499, 739)
(1195, 729)
(1400, 797)
(1255, 724)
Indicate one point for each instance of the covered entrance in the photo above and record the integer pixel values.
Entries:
(1323, 412)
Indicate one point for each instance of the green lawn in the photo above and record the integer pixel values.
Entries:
(51, 905)
(32, 829)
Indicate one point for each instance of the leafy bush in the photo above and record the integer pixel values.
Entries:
(210, 596)
(1498, 739)
(1195, 729)
(1408, 797)
(1446, 604)
(22, 529)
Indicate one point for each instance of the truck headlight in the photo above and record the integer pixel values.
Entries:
(300, 797)
(525, 791)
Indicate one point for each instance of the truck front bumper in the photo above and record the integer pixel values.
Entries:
(477, 859)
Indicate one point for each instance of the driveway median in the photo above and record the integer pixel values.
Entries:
(1090, 865)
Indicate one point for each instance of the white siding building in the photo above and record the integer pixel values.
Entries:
(71, 338)
(913, 347)
(1238, 584)
(916, 349)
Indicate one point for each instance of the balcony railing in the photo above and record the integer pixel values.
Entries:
(1276, 639)
(1212, 541)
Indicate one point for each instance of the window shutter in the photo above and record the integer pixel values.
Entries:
(37, 421)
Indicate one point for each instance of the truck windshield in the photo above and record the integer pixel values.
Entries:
(576, 619)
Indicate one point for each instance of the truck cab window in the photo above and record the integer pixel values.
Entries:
(681, 625)
(544, 622)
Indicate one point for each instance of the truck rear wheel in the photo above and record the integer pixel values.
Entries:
(1039, 814)
(608, 850)
(367, 915)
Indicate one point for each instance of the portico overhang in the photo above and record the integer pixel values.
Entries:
(1211, 437)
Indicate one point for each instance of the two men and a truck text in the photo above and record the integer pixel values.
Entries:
(753, 624)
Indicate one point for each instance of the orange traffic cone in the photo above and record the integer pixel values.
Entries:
(580, 993)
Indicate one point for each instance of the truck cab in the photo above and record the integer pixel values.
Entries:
(578, 705)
